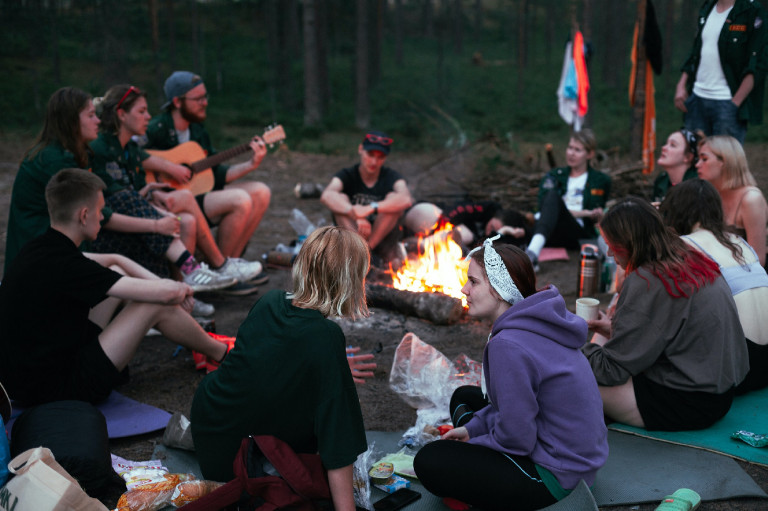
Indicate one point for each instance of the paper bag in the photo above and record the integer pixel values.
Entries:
(41, 484)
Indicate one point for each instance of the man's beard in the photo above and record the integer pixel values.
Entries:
(189, 116)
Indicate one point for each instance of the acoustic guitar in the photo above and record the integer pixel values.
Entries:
(192, 155)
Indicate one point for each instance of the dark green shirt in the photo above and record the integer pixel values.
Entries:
(119, 167)
(287, 376)
(161, 134)
(596, 190)
(662, 184)
(28, 215)
(742, 48)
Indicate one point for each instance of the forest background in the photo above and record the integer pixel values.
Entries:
(438, 73)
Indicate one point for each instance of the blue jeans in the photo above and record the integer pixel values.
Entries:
(714, 117)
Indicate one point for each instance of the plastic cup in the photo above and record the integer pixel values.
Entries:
(587, 308)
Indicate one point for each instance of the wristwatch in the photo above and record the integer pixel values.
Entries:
(375, 206)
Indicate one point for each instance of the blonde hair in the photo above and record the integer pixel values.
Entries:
(329, 273)
(735, 167)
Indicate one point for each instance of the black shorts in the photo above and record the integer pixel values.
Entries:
(93, 377)
(666, 409)
(200, 202)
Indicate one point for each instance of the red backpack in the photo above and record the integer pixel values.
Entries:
(302, 484)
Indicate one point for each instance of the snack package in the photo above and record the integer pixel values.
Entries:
(750, 438)
(150, 489)
(189, 491)
(393, 484)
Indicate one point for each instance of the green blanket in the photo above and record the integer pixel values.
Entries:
(748, 413)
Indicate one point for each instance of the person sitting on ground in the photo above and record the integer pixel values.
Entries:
(471, 220)
(675, 349)
(723, 163)
(678, 161)
(571, 199)
(70, 123)
(370, 198)
(695, 211)
(540, 429)
(288, 374)
(60, 322)
(151, 237)
(234, 205)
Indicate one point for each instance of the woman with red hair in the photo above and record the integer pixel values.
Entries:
(675, 348)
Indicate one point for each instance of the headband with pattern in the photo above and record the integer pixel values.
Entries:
(497, 272)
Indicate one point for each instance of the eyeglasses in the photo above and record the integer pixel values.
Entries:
(133, 89)
(198, 99)
(377, 139)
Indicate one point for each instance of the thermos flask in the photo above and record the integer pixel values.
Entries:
(589, 271)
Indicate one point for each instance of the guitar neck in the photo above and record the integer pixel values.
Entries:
(217, 158)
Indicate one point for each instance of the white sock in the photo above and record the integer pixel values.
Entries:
(537, 243)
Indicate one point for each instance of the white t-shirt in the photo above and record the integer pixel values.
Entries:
(574, 195)
(182, 136)
(710, 80)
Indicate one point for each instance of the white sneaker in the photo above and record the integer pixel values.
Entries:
(240, 269)
(205, 279)
(201, 309)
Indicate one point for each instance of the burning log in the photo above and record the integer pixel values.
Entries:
(438, 308)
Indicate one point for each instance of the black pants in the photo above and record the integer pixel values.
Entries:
(557, 224)
(757, 377)
(478, 475)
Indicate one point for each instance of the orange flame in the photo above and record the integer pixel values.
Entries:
(439, 267)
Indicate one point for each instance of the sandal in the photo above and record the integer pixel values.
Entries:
(682, 500)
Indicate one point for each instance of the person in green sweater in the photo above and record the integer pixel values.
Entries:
(70, 123)
(288, 374)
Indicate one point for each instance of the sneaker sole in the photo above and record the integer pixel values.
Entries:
(259, 279)
(199, 288)
(240, 290)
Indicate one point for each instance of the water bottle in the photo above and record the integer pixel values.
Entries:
(301, 223)
(607, 284)
(589, 271)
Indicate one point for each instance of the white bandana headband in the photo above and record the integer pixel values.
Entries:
(497, 272)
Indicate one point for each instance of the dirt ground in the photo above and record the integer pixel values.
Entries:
(166, 379)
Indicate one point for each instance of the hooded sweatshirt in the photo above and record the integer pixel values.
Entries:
(543, 398)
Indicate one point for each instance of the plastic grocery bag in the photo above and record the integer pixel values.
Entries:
(425, 379)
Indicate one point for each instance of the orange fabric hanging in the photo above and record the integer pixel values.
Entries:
(649, 114)
(580, 64)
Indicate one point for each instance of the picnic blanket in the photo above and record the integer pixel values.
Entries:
(748, 412)
(125, 416)
(638, 470)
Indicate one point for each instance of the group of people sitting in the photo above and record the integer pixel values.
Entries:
(686, 335)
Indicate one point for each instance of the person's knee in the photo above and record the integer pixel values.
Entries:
(261, 194)
(184, 199)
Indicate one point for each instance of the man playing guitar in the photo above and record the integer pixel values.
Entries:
(235, 207)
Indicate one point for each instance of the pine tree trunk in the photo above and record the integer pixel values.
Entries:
(362, 107)
(312, 102)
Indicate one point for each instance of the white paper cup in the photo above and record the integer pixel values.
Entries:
(587, 308)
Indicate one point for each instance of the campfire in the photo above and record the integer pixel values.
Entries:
(438, 268)
(427, 285)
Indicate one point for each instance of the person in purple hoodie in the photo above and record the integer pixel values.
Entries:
(536, 428)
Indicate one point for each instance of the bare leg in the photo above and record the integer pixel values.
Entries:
(260, 195)
(231, 209)
(182, 201)
(122, 336)
(619, 404)
(188, 230)
(382, 226)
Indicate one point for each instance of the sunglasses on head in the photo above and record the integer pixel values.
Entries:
(377, 139)
(130, 89)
